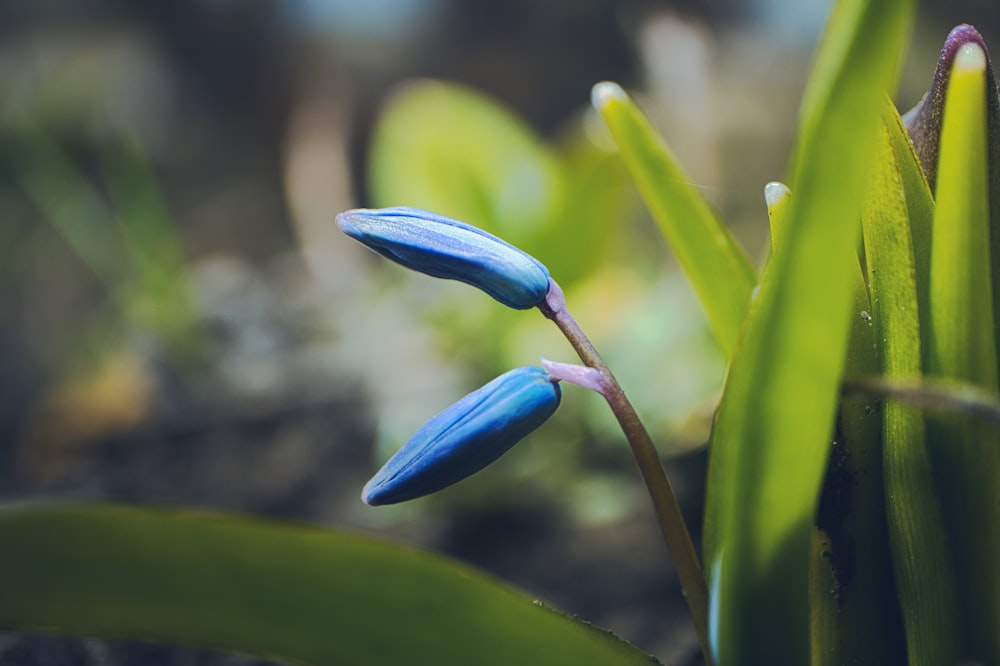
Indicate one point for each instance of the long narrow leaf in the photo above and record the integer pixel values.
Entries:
(773, 430)
(853, 616)
(62, 192)
(853, 611)
(967, 454)
(899, 210)
(718, 268)
(284, 591)
(162, 294)
(776, 196)
(923, 123)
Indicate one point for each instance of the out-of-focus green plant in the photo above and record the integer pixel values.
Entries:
(444, 147)
(120, 228)
(853, 490)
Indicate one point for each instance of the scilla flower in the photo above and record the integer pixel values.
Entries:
(446, 248)
(466, 437)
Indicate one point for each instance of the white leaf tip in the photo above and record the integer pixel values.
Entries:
(774, 192)
(970, 58)
(605, 92)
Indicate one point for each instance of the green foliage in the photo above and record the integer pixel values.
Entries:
(158, 295)
(772, 434)
(276, 590)
(128, 242)
(840, 527)
(58, 188)
(898, 212)
(966, 454)
(717, 267)
(449, 149)
(784, 507)
(853, 613)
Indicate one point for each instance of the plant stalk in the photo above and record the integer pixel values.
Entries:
(668, 512)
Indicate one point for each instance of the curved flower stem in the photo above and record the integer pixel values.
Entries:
(668, 512)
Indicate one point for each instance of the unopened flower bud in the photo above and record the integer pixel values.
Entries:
(446, 248)
(466, 437)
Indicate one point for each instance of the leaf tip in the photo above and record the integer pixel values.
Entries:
(970, 58)
(606, 92)
(775, 193)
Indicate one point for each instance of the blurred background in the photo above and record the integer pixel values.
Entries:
(183, 324)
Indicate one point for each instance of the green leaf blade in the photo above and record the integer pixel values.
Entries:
(961, 294)
(775, 421)
(717, 266)
(854, 617)
(896, 225)
(271, 589)
(967, 454)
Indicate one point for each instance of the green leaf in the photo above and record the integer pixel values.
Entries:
(923, 123)
(597, 189)
(896, 224)
(854, 618)
(961, 346)
(272, 589)
(776, 419)
(776, 196)
(961, 333)
(60, 190)
(449, 149)
(160, 294)
(718, 268)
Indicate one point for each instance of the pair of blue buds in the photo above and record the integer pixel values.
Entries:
(482, 426)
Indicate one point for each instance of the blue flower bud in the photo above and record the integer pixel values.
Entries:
(446, 248)
(466, 437)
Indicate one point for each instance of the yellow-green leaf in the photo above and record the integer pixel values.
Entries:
(776, 419)
(452, 150)
(717, 266)
(896, 224)
(961, 346)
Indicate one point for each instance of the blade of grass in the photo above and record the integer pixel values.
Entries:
(776, 196)
(924, 126)
(899, 210)
(961, 346)
(162, 294)
(961, 293)
(57, 187)
(775, 421)
(717, 266)
(854, 617)
(993, 155)
(271, 589)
